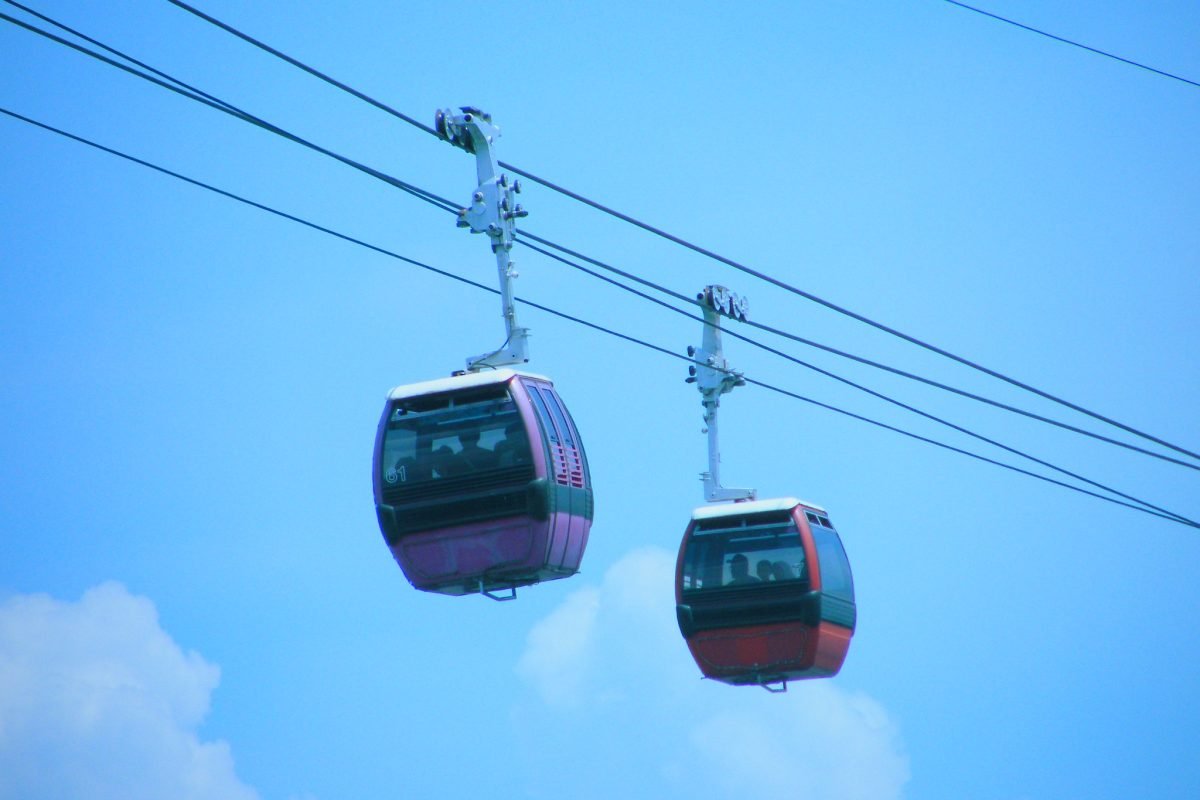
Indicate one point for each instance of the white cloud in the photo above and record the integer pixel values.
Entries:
(97, 701)
(617, 645)
(642, 583)
(817, 741)
(558, 649)
(635, 600)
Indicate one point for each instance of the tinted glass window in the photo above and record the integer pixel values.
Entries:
(539, 406)
(560, 420)
(756, 550)
(836, 579)
(429, 438)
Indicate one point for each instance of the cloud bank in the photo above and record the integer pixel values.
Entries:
(97, 701)
(617, 646)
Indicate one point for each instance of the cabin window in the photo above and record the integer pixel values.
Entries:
(539, 406)
(430, 438)
(836, 579)
(560, 420)
(753, 551)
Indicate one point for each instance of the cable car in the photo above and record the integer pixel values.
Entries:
(764, 593)
(481, 483)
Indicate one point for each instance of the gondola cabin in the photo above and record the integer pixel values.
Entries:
(481, 483)
(764, 593)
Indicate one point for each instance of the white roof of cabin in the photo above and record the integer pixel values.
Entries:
(752, 507)
(468, 380)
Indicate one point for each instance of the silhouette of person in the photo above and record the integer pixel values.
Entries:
(511, 449)
(763, 569)
(443, 462)
(472, 457)
(739, 569)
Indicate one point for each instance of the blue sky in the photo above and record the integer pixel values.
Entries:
(195, 600)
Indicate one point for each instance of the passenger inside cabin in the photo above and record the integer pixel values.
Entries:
(510, 449)
(781, 571)
(442, 462)
(739, 570)
(472, 457)
(764, 569)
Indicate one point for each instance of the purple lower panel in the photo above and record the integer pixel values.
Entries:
(560, 539)
(508, 549)
(574, 541)
(568, 540)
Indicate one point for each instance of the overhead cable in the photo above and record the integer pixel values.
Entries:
(1073, 43)
(196, 94)
(971, 395)
(860, 387)
(301, 65)
(177, 87)
(859, 359)
(697, 248)
(1144, 507)
(117, 53)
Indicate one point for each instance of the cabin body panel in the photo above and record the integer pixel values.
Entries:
(833, 643)
(481, 482)
(754, 654)
(764, 592)
(568, 479)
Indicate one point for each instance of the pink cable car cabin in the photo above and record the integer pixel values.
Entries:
(764, 593)
(481, 483)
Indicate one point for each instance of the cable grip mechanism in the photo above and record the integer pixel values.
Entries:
(714, 377)
(493, 210)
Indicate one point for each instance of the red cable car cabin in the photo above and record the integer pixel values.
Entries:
(764, 593)
(481, 483)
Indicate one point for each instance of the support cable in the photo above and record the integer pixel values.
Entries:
(972, 396)
(302, 66)
(858, 386)
(861, 318)
(195, 93)
(119, 54)
(1144, 508)
(447, 205)
(945, 387)
(705, 251)
(176, 86)
(1074, 43)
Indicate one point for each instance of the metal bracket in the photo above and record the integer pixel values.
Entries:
(713, 377)
(493, 210)
(770, 685)
(500, 598)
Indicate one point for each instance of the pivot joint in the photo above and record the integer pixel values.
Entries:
(493, 208)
